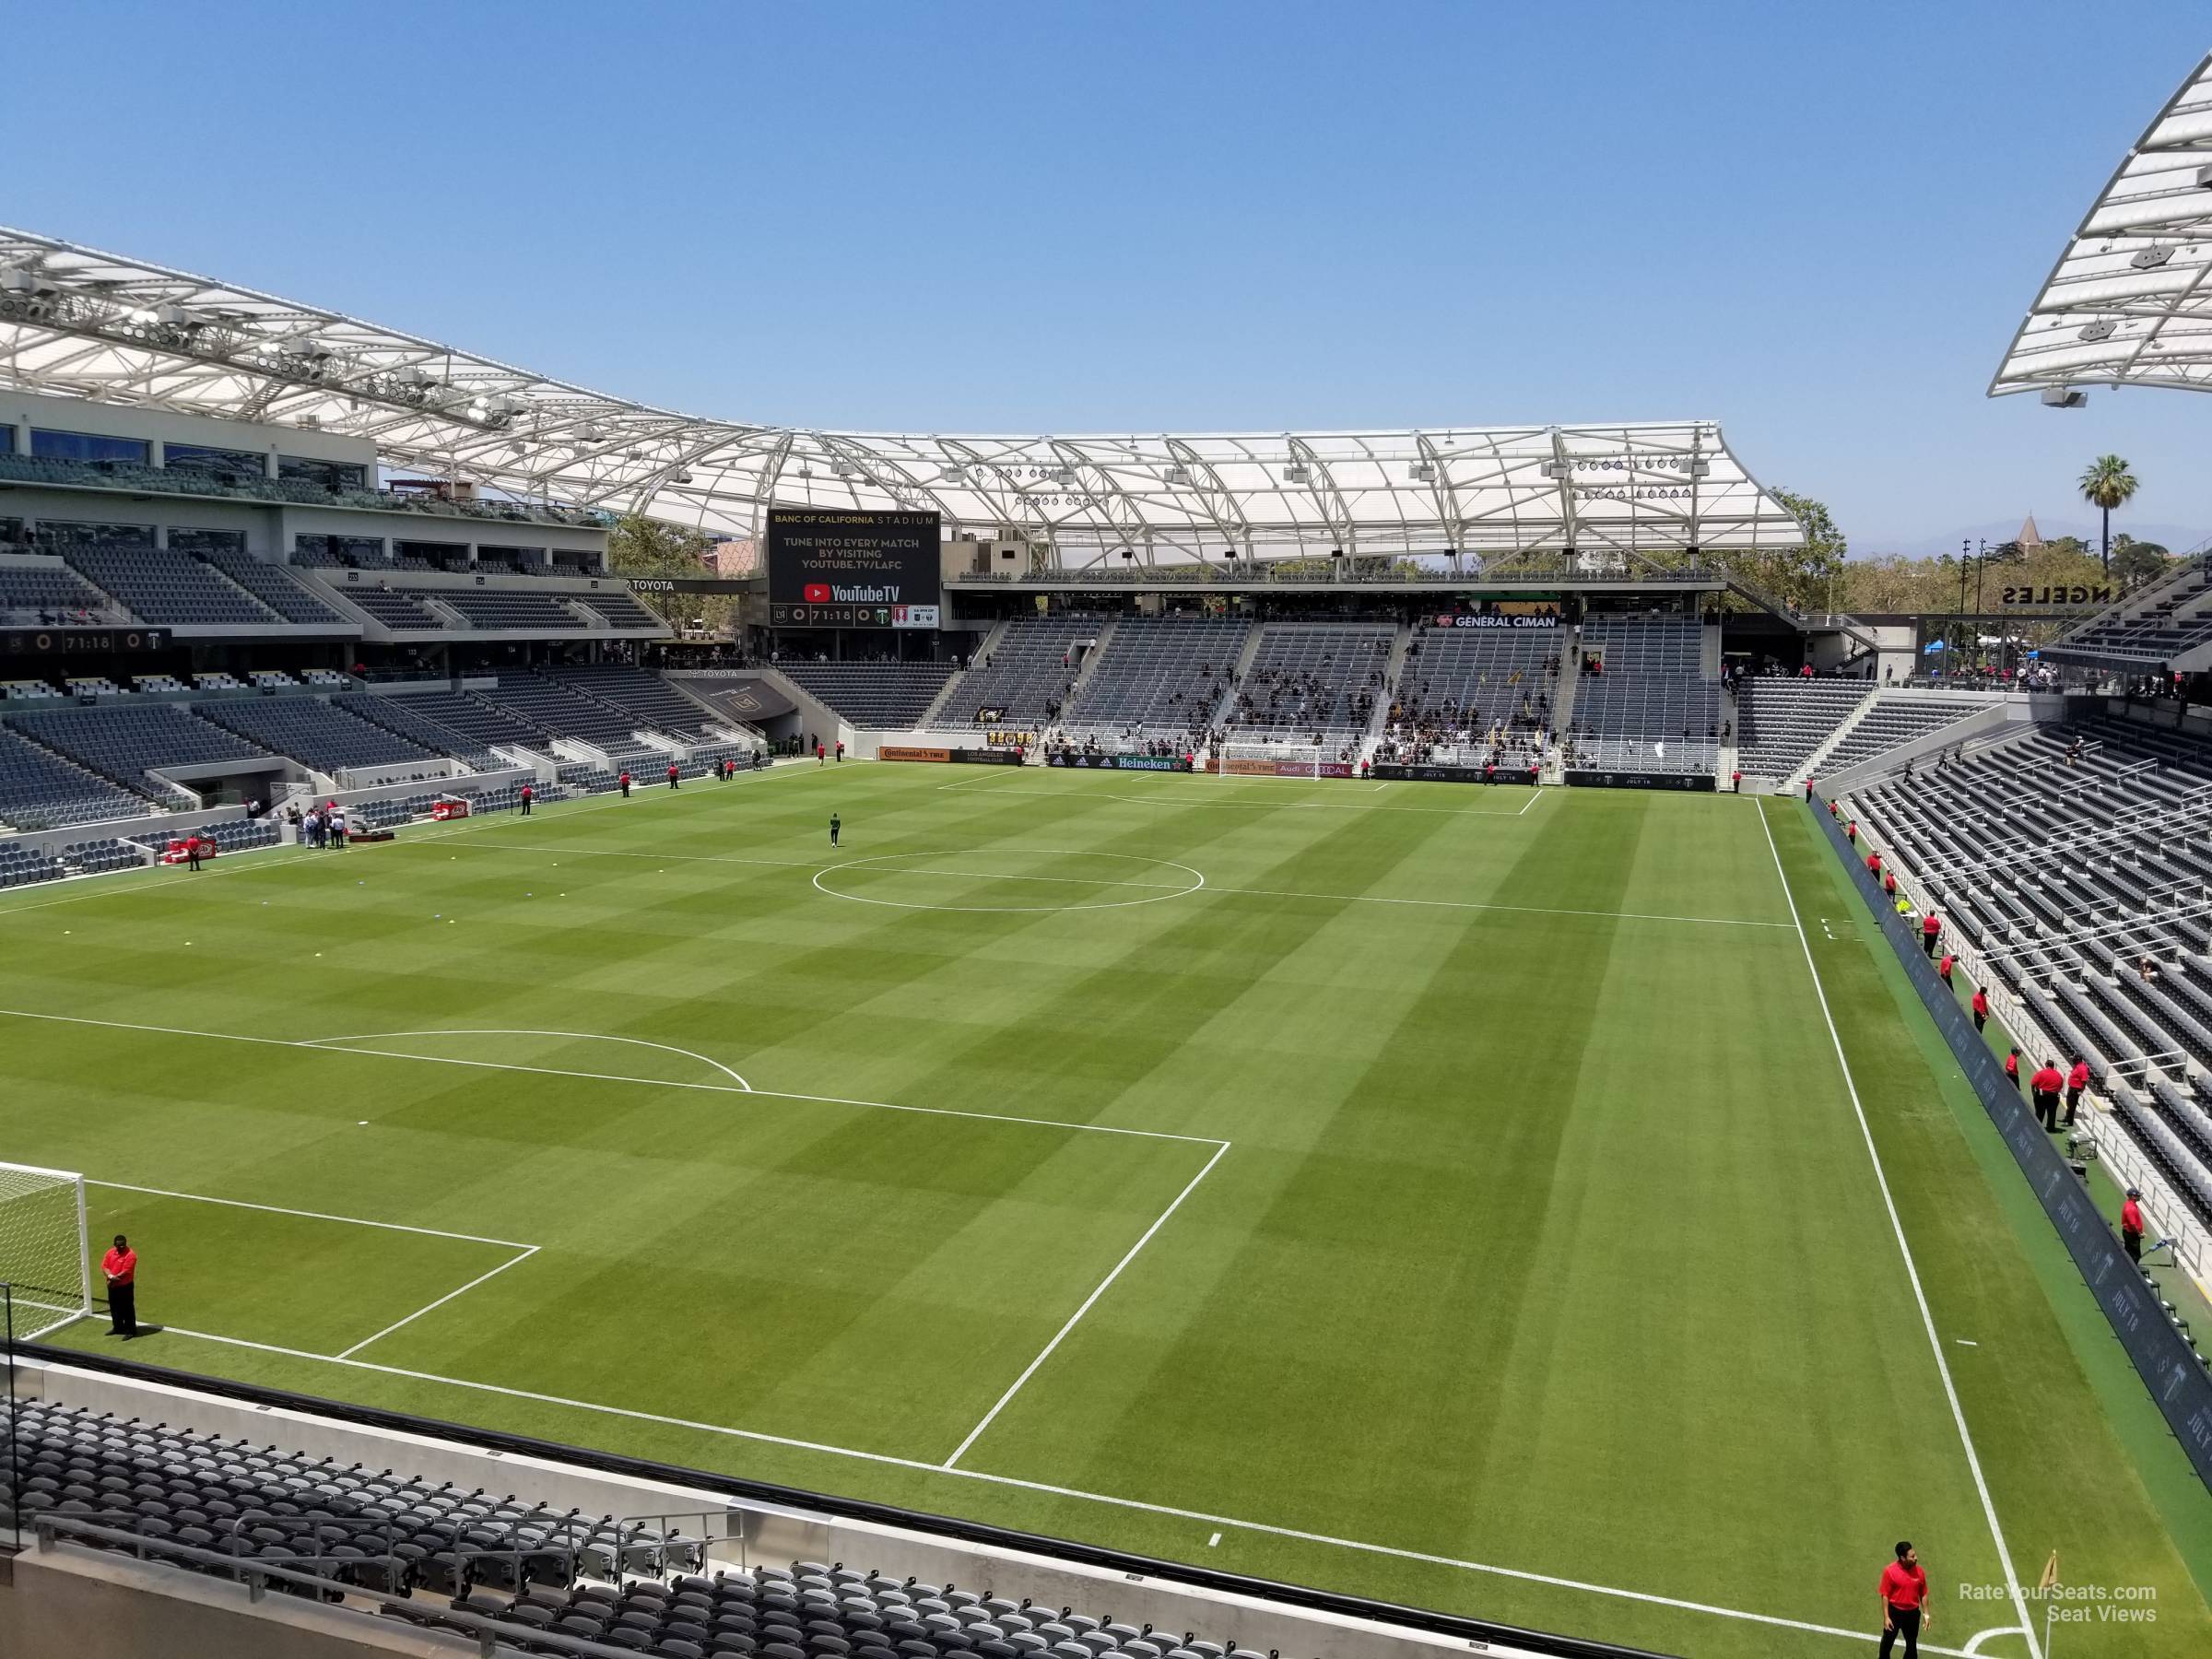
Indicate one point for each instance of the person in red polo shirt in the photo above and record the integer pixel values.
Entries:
(2077, 1079)
(194, 849)
(2131, 1226)
(1905, 1592)
(1851, 833)
(626, 783)
(1980, 1007)
(672, 774)
(1930, 925)
(1944, 967)
(529, 794)
(120, 1267)
(1735, 780)
(1874, 863)
(2045, 1085)
(2012, 1069)
(1889, 883)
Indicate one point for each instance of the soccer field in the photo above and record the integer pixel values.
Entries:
(1449, 1194)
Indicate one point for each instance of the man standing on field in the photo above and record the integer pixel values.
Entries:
(120, 1267)
(835, 824)
(2047, 1083)
(1905, 1592)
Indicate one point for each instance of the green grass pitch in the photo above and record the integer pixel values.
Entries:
(1440, 1193)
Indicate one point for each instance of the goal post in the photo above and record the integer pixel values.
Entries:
(43, 1256)
(1273, 759)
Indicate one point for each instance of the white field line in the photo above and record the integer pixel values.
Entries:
(522, 1032)
(307, 1215)
(523, 1252)
(316, 1044)
(1897, 1227)
(526, 1252)
(1206, 1517)
(1162, 886)
(1074, 1319)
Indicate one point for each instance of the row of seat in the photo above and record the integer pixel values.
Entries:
(888, 697)
(471, 1561)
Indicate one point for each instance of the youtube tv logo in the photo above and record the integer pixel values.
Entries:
(817, 593)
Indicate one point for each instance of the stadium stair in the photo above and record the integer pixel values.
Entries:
(1393, 671)
(1811, 766)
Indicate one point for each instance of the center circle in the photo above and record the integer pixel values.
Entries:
(1112, 872)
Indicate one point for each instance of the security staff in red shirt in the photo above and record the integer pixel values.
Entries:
(1851, 833)
(1874, 863)
(194, 849)
(1944, 967)
(1980, 1007)
(1889, 883)
(120, 1267)
(2045, 1086)
(1905, 1592)
(626, 785)
(1735, 780)
(2131, 1226)
(2077, 1079)
(672, 774)
(529, 794)
(1931, 924)
(2012, 1067)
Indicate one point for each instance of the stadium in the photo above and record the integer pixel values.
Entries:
(1126, 1046)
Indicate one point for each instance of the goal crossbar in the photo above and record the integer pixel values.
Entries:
(44, 1259)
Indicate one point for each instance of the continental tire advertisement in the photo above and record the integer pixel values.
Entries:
(833, 568)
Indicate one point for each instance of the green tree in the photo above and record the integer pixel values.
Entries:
(2105, 484)
(639, 545)
(1808, 575)
(2136, 562)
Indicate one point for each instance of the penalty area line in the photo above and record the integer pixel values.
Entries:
(1228, 1523)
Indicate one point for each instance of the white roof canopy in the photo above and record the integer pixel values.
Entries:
(2130, 301)
(77, 321)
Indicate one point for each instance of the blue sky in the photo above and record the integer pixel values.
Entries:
(1816, 224)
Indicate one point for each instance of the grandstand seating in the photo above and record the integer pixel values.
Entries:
(536, 1573)
(1469, 693)
(98, 857)
(32, 592)
(39, 789)
(418, 725)
(1308, 680)
(1165, 676)
(1652, 708)
(19, 865)
(2149, 628)
(122, 743)
(2065, 877)
(1780, 722)
(616, 609)
(561, 711)
(501, 608)
(478, 722)
(273, 587)
(1025, 676)
(883, 696)
(1894, 721)
(241, 835)
(313, 733)
(28, 690)
(393, 610)
(649, 700)
(171, 589)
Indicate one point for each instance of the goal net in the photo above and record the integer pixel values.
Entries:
(1273, 759)
(42, 1256)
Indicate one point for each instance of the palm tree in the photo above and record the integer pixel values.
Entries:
(2105, 484)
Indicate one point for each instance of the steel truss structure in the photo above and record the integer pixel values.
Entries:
(2129, 301)
(80, 323)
